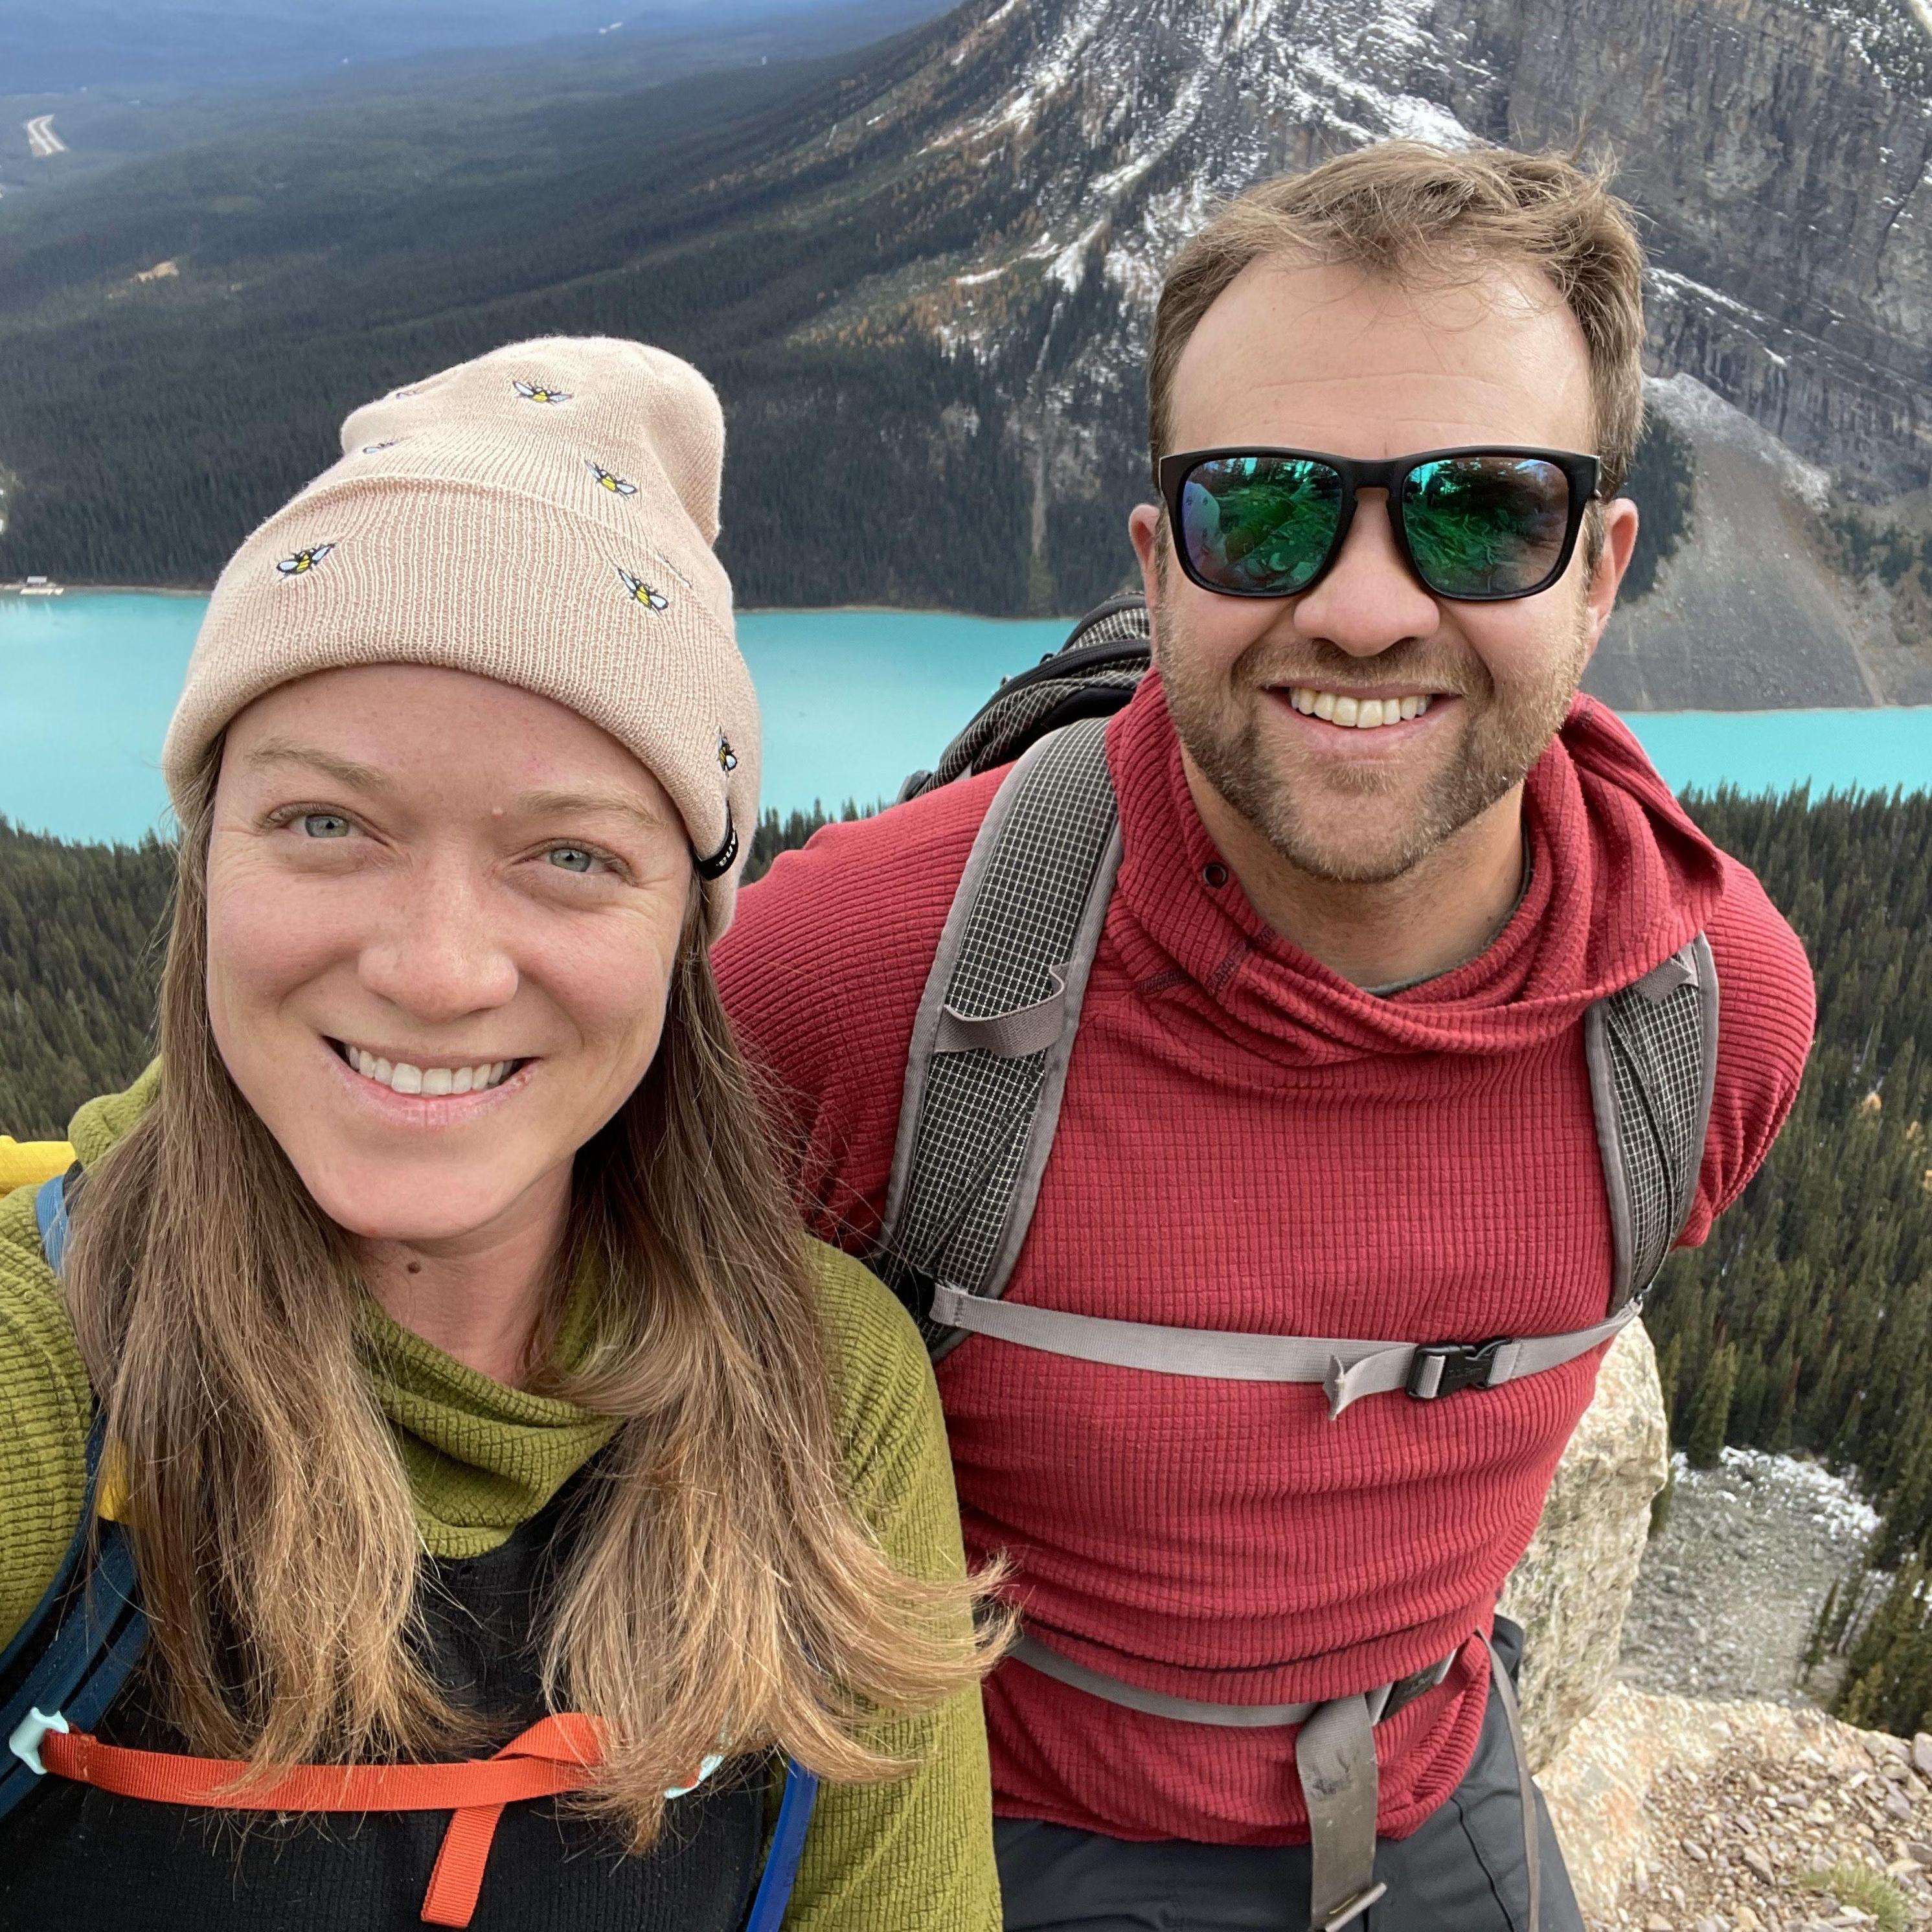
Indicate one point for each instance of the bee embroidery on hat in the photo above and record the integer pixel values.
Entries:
(540, 392)
(616, 485)
(369, 448)
(726, 758)
(304, 560)
(640, 591)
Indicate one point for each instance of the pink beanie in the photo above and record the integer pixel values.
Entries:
(543, 515)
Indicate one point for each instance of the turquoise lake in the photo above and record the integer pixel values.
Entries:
(853, 700)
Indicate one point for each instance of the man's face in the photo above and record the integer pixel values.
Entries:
(1331, 359)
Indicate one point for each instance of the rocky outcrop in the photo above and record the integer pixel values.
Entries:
(1571, 1589)
(1684, 1814)
(1674, 1813)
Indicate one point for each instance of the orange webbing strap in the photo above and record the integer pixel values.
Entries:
(558, 1754)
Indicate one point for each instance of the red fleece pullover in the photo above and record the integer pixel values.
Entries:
(1248, 1141)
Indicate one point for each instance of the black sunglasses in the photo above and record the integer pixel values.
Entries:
(1478, 525)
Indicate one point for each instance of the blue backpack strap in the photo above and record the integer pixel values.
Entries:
(50, 1211)
(94, 1635)
(96, 1641)
(774, 1894)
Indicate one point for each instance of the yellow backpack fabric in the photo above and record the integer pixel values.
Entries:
(28, 1163)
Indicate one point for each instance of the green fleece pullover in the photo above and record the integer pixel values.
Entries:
(915, 1855)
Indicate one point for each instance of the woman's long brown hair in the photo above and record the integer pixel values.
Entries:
(720, 1586)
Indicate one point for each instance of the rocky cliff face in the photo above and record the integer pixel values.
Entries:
(1054, 152)
(1779, 150)
(1782, 154)
(1573, 1586)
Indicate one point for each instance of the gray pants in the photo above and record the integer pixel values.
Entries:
(1461, 1871)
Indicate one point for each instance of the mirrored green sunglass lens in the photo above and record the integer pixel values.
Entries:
(1485, 525)
(1259, 522)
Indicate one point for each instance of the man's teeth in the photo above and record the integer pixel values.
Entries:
(433, 1081)
(1362, 714)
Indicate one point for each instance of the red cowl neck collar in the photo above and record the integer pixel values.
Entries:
(1621, 879)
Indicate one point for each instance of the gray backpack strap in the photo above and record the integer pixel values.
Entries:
(996, 1025)
(1652, 1050)
(1348, 1368)
(1334, 1761)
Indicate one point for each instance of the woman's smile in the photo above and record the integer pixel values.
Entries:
(433, 1079)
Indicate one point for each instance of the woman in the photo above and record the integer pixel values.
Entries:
(463, 1379)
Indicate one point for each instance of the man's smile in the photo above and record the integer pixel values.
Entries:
(1357, 713)
(1360, 723)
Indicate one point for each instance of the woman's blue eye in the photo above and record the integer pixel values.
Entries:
(572, 858)
(326, 825)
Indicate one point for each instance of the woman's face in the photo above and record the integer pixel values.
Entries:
(442, 915)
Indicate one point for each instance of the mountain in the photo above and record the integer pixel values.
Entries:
(922, 276)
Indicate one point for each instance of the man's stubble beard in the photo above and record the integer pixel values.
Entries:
(1503, 733)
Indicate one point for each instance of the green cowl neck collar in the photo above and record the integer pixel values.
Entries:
(481, 1457)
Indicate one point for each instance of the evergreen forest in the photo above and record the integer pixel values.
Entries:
(1804, 1324)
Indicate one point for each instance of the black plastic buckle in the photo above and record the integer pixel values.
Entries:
(1465, 1365)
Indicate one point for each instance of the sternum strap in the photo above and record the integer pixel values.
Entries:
(558, 1753)
(1348, 1368)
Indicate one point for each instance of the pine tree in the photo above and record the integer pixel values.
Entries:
(1712, 1415)
(1819, 1638)
(1889, 1677)
(1669, 1368)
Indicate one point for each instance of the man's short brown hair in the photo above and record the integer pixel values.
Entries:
(1415, 212)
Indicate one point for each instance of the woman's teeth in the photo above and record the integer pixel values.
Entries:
(434, 1081)
(1358, 714)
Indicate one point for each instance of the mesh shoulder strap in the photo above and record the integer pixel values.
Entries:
(996, 1025)
(1652, 1050)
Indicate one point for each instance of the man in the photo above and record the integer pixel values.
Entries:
(1330, 1079)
